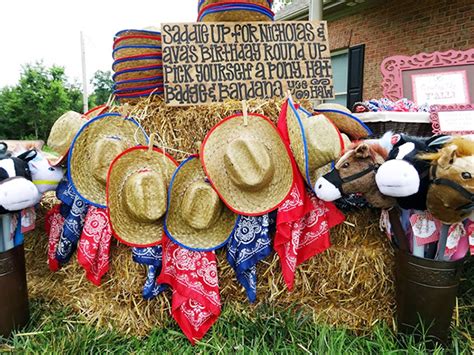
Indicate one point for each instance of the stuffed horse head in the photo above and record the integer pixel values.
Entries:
(45, 176)
(404, 175)
(16, 189)
(450, 195)
(355, 172)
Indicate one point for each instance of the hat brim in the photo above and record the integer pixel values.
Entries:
(347, 123)
(134, 32)
(125, 228)
(299, 146)
(59, 161)
(137, 40)
(176, 227)
(80, 171)
(96, 111)
(259, 128)
(137, 61)
(134, 50)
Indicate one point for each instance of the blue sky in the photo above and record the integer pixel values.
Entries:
(49, 30)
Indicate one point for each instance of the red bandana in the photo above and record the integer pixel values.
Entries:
(303, 221)
(196, 302)
(94, 245)
(54, 222)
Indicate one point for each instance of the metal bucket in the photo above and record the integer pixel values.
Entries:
(426, 295)
(14, 310)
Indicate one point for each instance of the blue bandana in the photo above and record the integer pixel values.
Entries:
(249, 244)
(152, 257)
(74, 211)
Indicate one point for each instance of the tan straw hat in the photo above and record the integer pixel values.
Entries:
(137, 189)
(62, 133)
(344, 120)
(94, 148)
(314, 141)
(248, 164)
(196, 219)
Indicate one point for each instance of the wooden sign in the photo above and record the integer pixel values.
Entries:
(211, 62)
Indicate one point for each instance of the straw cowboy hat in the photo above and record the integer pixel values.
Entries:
(248, 164)
(62, 133)
(196, 218)
(137, 188)
(64, 129)
(147, 31)
(137, 61)
(344, 120)
(235, 11)
(314, 141)
(94, 147)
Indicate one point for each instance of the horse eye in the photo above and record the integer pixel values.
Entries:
(465, 175)
(345, 165)
(51, 168)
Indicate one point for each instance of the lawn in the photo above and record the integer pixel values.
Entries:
(268, 330)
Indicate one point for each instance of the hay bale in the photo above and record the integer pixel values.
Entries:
(349, 285)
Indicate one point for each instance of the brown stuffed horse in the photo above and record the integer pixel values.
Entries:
(450, 195)
(355, 173)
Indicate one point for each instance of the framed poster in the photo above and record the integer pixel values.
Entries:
(452, 119)
(443, 78)
(441, 88)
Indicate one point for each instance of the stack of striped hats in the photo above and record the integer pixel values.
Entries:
(235, 10)
(137, 64)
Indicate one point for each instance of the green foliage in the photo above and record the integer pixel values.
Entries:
(278, 4)
(103, 83)
(29, 109)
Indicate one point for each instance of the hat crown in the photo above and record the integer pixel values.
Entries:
(248, 164)
(333, 106)
(323, 140)
(200, 206)
(145, 195)
(63, 131)
(103, 153)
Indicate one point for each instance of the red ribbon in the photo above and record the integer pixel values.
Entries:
(196, 302)
(303, 221)
(93, 250)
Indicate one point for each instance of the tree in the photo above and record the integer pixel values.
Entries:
(102, 81)
(278, 4)
(29, 109)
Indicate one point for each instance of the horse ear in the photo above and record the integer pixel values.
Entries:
(28, 155)
(448, 155)
(362, 151)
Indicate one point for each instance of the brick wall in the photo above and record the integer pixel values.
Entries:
(404, 27)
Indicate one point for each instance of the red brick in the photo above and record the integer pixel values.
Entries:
(404, 27)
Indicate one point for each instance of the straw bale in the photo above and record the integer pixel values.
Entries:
(349, 285)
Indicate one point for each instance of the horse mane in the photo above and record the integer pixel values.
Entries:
(378, 149)
(465, 147)
(374, 149)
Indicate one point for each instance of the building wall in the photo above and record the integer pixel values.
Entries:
(404, 27)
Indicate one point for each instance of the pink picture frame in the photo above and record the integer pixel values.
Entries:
(393, 69)
(452, 119)
(441, 88)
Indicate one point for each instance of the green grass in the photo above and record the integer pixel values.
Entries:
(266, 330)
(269, 330)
